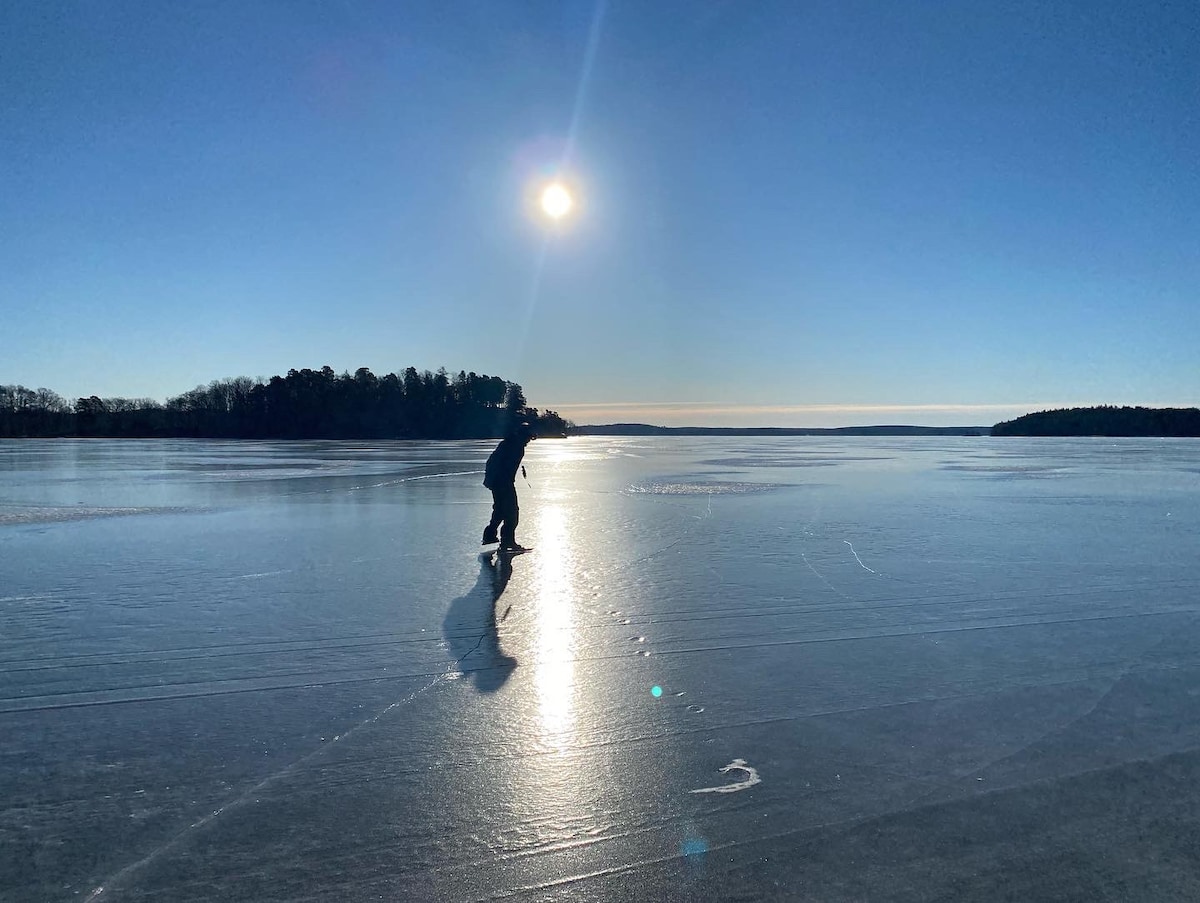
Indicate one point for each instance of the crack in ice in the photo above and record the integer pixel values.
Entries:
(856, 558)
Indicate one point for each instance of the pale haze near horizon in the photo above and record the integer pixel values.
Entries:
(789, 215)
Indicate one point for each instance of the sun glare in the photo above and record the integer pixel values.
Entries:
(556, 200)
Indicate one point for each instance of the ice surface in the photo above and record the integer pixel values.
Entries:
(937, 668)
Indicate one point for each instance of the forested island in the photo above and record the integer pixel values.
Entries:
(305, 404)
(1106, 420)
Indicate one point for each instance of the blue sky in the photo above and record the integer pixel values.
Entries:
(792, 213)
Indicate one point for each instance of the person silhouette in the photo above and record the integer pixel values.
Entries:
(500, 476)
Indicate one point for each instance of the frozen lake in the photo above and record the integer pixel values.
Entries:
(941, 669)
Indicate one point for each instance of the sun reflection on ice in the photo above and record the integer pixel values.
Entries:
(554, 668)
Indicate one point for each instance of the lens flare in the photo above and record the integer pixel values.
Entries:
(656, 691)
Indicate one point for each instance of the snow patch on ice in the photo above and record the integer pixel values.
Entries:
(698, 487)
(750, 780)
(22, 515)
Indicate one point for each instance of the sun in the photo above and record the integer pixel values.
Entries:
(556, 201)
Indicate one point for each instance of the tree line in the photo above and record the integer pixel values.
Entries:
(1106, 420)
(305, 404)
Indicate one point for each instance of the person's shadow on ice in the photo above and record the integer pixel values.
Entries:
(470, 627)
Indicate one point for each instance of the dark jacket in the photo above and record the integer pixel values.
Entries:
(501, 468)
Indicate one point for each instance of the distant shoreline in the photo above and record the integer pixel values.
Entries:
(645, 429)
(1099, 421)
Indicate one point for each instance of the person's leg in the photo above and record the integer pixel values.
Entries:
(511, 515)
(489, 532)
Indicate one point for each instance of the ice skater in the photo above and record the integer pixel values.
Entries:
(500, 476)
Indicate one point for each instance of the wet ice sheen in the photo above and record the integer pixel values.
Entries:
(233, 676)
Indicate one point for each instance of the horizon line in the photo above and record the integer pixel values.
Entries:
(810, 407)
(825, 415)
